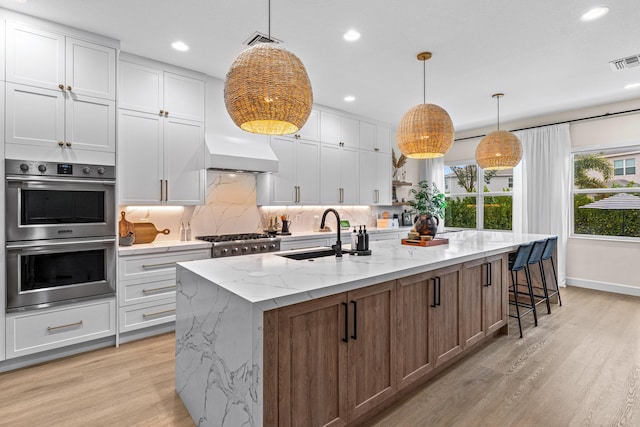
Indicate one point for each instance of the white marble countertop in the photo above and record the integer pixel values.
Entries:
(270, 281)
(162, 247)
(301, 235)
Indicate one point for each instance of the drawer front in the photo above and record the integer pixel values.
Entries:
(156, 265)
(35, 331)
(147, 314)
(373, 237)
(138, 291)
(302, 244)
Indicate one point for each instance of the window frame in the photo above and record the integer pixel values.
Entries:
(479, 195)
(633, 145)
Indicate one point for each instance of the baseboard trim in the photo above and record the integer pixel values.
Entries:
(604, 286)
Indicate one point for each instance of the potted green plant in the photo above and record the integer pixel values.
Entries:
(428, 204)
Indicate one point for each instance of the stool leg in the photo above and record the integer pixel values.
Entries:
(555, 276)
(544, 286)
(515, 295)
(527, 274)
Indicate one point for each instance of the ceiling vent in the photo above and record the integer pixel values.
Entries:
(258, 37)
(624, 63)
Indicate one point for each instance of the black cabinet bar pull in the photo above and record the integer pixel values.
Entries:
(439, 290)
(486, 274)
(346, 322)
(355, 320)
(435, 301)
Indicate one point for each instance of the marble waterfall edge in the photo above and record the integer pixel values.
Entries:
(217, 381)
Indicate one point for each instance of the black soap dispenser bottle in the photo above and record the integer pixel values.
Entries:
(366, 239)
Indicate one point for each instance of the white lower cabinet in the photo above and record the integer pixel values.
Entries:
(147, 287)
(35, 331)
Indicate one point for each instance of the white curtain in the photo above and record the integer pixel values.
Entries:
(432, 170)
(543, 179)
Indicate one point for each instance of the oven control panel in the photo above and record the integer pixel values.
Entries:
(51, 169)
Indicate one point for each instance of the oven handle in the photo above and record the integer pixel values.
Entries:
(61, 243)
(36, 179)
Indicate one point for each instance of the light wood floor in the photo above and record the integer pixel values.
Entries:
(579, 367)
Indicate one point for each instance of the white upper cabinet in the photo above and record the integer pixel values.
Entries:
(311, 129)
(383, 139)
(375, 178)
(161, 135)
(367, 136)
(339, 130)
(298, 178)
(153, 90)
(50, 60)
(339, 175)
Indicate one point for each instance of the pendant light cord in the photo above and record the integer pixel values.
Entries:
(424, 82)
(498, 104)
(269, 21)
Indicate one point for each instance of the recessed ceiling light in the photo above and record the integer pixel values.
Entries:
(632, 86)
(351, 35)
(595, 13)
(349, 98)
(182, 47)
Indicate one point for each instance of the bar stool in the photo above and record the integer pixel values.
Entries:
(536, 258)
(517, 263)
(547, 255)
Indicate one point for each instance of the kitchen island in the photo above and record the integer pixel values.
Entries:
(266, 340)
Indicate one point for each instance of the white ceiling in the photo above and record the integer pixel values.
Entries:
(538, 53)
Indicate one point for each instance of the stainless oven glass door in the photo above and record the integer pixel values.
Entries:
(53, 208)
(47, 272)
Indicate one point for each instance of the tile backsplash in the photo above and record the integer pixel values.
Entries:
(231, 208)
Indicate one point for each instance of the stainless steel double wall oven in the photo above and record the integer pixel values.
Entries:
(60, 232)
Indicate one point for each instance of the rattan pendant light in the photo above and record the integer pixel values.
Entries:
(426, 130)
(267, 90)
(499, 149)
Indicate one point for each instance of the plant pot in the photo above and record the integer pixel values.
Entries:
(426, 225)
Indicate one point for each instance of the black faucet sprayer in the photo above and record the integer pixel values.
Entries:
(338, 246)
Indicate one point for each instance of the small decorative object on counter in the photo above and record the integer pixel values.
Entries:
(428, 203)
(354, 239)
(285, 225)
(146, 232)
(187, 232)
(127, 240)
(182, 232)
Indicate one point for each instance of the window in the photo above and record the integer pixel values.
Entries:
(465, 193)
(606, 193)
(624, 167)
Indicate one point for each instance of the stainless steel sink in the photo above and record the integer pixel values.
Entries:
(316, 253)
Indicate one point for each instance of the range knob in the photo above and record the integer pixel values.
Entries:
(86, 170)
(225, 251)
(254, 249)
(272, 246)
(263, 247)
(101, 171)
(24, 167)
(234, 250)
(42, 168)
(245, 249)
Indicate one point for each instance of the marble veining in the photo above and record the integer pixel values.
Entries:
(217, 360)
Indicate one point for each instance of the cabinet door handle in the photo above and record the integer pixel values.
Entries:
(487, 280)
(61, 87)
(68, 325)
(61, 143)
(157, 313)
(439, 290)
(161, 190)
(166, 190)
(163, 288)
(435, 301)
(69, 88)
(376, 149)
(161, 112)
(490, 273)
(166, 114)
(68, 144)
(346, 322)
(355, 320)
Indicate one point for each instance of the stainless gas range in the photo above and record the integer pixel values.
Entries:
(226, 245)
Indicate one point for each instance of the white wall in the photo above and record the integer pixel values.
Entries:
(595, 263)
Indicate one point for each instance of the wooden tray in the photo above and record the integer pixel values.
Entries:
(145, 232)
(434, 242)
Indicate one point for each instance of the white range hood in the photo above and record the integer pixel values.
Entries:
(240, 154)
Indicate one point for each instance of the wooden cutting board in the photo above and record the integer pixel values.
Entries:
(124, 226)
(145, 232)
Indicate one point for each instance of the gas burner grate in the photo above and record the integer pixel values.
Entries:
(233, 237)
